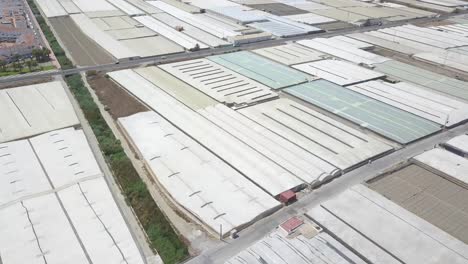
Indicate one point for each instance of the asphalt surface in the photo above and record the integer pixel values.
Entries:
(250, 235)
(207, 52)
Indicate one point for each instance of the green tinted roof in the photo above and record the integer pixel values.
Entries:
(389, 121)
(260, 69)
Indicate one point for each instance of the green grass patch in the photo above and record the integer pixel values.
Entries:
(160, 232)
(10, 72)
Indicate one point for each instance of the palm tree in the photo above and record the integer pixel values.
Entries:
(37, 53)
(17, 62)
(45, 54)
(29, 63)
(34, 63)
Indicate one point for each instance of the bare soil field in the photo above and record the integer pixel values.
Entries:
(117, 101)
(83, 50)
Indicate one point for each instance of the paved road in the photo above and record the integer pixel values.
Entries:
(255, 232)
(207, 52)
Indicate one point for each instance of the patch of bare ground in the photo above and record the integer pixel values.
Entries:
(117, 101)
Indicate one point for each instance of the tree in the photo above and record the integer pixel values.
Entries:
(17, 64)
(41, 54)
(34, 63)
(37, 53)
(16, 57)
(29, 64)
(45, 54)
(3, 65)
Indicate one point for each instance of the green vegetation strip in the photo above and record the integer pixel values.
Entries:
(54, 45)
(161, 235)
(9, 72)
(158, 228)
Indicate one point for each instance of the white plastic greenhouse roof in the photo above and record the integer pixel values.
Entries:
(448, 163)
(33, 220)
(170, 33)
(191, 30)
(94, 6)
(416, 100)
(290, 54)
(459, 143)
(264, 172)
(216, 28)
(102, 38)
(242, 14)
(21, 174)
(400, 236)
(52, 8)
(277, 249)
(339, 72)
(310, 18)
(198, 180)
(98, 223)
(126, 7)
(322, 138)
(343, 50)
(219, 82)
(66, 156)
(37, 231)
(30, 110)
(300, 163)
